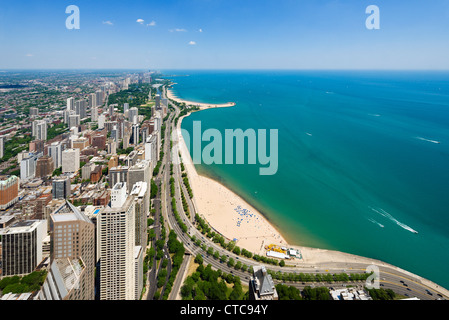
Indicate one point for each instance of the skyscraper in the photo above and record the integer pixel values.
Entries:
(44, 166)
(55, 151)
(22, 247)
(1, 147)
(94, 114)
(39, 129)
(28, 166)
(9, 191)
(141, 171)
(71, 104)
(92, 100)
(135, 134)
(116, 239)
(74, 120)
(142, 205)
(61, 188)
(132, 115)
(70, 160)
(73, 238)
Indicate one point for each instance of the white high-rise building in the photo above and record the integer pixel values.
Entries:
(92, 100)
(116, 242)
(119, 193)
(101, 121)
(71, 104)
(151, 149)
(22, 247)
(94, 114)
(138, 270)
(135, 134)
(1, 147)
(132, 115)
(70, 160)
(39, 129)
(74, 121)
(55, 151)
(28, 166)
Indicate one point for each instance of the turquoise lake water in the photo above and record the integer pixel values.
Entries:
(363, 157)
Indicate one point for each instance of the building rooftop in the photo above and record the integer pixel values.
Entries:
(68, 212)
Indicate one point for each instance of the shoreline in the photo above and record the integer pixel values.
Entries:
(210, 194)
(201, 105)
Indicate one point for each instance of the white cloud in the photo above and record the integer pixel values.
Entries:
(192, 43)
(177, 30)
(29, 55)
(108, 23)
(151, 24)
(141, 21)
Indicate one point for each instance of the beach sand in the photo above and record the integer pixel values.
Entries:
(202, 106)
(234, 218)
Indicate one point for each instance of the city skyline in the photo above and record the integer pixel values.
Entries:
(225, 35)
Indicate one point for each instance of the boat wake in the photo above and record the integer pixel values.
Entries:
(428, 140)
(375, 222)
(385, 214)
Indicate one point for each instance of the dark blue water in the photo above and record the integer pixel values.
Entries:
(363, 158)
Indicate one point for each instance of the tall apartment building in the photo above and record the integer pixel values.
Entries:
(139, 253)
(135, 134)
(37, 146)
(157, 99)
(132, 115)
(39, 129)
(73, 245)
(101, 121)
(28, 166)
(61, 188)
(80, 108)
(99, 97)
(71, 104)
(92, 100)
(94, 114)
(22, 247)
(116, 241)
(9, 191)
(118, 174)
(44, 166)
(55, 151)
(141, 171)
(70, 160)
(2, 147)
(142, 205)
(151, 149)
(74, 120)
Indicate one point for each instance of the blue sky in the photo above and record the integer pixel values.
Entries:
(225, 34)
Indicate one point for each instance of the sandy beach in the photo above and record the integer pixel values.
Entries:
(234, 218)
(202, 106)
